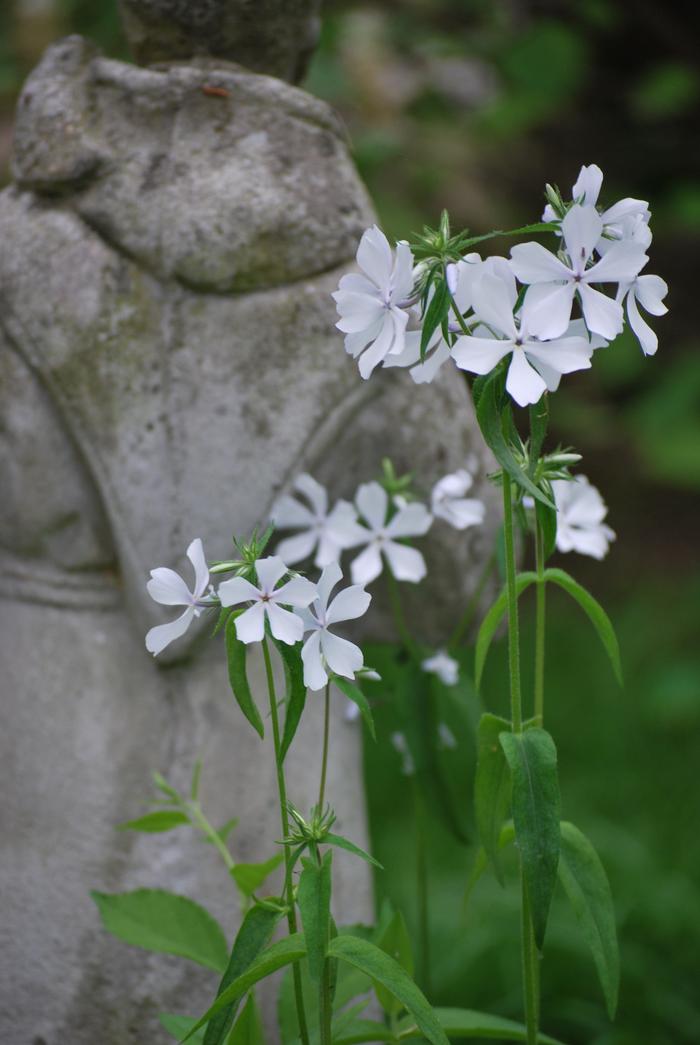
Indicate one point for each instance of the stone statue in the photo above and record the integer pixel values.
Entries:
(168, 364)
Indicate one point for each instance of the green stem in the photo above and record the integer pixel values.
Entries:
(529, 956)
(473, 605)
(540, 620)
(288, 884)
(210, 832)
(324, 759)
(422, 888)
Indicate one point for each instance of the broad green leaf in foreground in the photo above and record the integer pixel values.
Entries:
(491, 621)
(492, 787)
(586, 885)
(385, 970)
(595, 613)
(290, 949)
(254, 934)
(238, 676)
(532, 758)
(466, 1023)
(164, 922)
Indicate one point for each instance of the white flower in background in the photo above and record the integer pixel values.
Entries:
(586, 191)
(535, 365)
(408, 767)
(169, 589)
(268, 601)
(323, 650)
(372, 306)
(316, 523)
(554, 284)
(446, 736)
(580, 518)
(382, 536)
(649, 292)
(448, 502)
(444, 666)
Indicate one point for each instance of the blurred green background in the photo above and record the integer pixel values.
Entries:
(473, 105)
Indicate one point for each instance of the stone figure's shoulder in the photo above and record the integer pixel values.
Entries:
(203, 172)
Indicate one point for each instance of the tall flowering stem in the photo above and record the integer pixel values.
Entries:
(540, 613)
(284, 818)
(529, 955)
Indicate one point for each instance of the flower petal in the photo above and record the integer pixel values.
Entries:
(413, 520)
(297, 548)
(479, 355)
(374, 355)
(407, 564)
(288, 514)
(367, 566)
(645, 335)
(168, 588)
(284, 625)
(349, 604)
(581, 228)
(315, 675)
(402, 276)
(621, 263)
(269, 571)
(372, 502)
(313, 491)
(533, 263)
(492, 304)
(424, 373)
(162, 635)
(374, 257)
(523, 382)
(588, 184)
(326, 583)
(547, 309)
(343, 657)
(603, 315)
(195, 553)
(250, 626)
(236, 590)
(650, 292)
(565, 354)
(296, 592)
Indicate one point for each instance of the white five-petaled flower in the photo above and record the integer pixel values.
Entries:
(650, 292)
(268, 601)
(382, 536)
(448, 502)
(373, 314)
(444, 666)
(586, 190)
(323, 650)
(580, 518)
(535, 365)
(316, 523)
(169, 589)
(555, 283)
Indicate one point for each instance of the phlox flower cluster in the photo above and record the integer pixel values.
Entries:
(545, 311)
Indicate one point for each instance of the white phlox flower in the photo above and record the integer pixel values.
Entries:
(382, 536)
(555, 283)
(580, 518)
(649, 292)
(372, 305)
(408, 767)
(315, 523)
(535, 365)
(447, 501)
(586, 190)
(444, 666)
(169, 589)
(323, 651)
(268, 601)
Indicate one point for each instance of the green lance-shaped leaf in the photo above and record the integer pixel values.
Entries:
(595, 613)
(466, 1023)
(290, 949)
(491, 787)
(164, 922)
(314, 899)
(350, 847)
(586, 885)
(296, 691)
(248, 1029)
(386, 971)
(178, 1026)
(157, 822)
(489, 416)
(254, 934)
(524, 230)
(238, 677)
(395, 941)
(355, 694)
(493, 618)
(249, 877)
(532, 758)
(359, 1031)
(436, 311)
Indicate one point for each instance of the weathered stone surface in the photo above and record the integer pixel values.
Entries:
(268, 36)
(168, 364)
